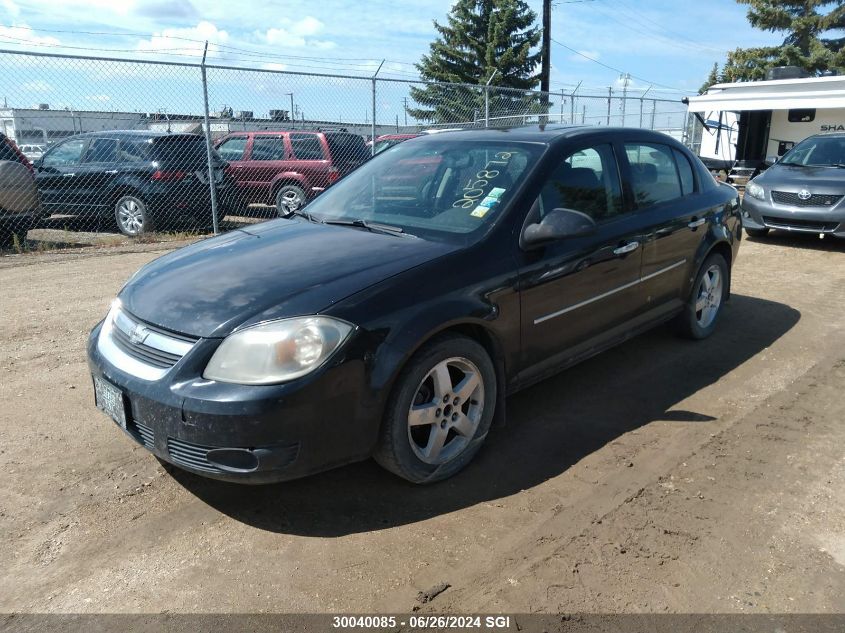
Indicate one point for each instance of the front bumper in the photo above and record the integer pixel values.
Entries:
(765, 214)
(247, 434)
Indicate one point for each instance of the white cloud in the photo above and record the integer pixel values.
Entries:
(10, 8)
(98, 98)
(38, 85)
(186, 41)
(295, 34)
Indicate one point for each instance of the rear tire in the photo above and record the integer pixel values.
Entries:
(289, 198)
(757, 233)
(439, 412)
(18, 228)
(132, 216)
(707, 298)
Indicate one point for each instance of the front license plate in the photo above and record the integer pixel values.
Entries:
(110, 399)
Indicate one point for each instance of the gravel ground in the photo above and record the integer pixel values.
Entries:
(664, 475)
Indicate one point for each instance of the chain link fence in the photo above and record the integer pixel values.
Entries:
(105, 146)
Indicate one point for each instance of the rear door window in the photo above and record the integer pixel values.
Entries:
(101, 150)
(306, 147)
(232, 148)
(133, 152)
(654, 176)
(268, 148)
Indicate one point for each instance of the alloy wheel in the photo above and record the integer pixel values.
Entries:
(446, 410)
(708, 296)
(130, 216)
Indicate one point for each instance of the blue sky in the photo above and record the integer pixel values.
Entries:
(669, 43)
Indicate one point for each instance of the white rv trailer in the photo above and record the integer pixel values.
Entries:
(755, 122)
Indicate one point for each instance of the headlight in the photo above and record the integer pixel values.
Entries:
(755, 191)
(278, 351)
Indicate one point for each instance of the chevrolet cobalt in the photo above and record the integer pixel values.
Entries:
(392, 315)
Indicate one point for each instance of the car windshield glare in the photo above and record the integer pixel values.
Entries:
(817, 151)
(449, 189)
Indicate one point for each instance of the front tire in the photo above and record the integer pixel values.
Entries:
(709, 294)
(439, 412)
(132, 216)
(758, 233)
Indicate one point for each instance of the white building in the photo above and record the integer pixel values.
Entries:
(43, 125)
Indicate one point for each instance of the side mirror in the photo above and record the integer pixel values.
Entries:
(558, 224)
(36, 164)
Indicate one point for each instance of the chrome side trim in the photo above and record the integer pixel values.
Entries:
(604, 295)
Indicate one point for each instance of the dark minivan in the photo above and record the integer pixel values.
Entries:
(138, 179)
(392, 315)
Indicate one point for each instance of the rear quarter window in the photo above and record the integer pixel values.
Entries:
(348, 147)
(188, 151)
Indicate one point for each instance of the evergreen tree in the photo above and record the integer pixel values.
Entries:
(712, 79)
(809, 26)
(480, 36)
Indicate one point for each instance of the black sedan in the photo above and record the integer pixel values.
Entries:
(391, 316)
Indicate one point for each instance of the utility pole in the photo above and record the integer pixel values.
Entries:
(626, 78)
(405, 99)
(545, 53)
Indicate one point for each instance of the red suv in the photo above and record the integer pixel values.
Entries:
(286, 169)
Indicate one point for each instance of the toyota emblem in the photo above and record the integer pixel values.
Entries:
(804, 195)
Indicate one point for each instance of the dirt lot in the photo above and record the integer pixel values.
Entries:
(663, 475)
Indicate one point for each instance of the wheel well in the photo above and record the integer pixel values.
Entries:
(285, 181)
(724, 249)
(124, 190)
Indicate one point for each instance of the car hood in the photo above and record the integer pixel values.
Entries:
(797, 177)
(273, 270)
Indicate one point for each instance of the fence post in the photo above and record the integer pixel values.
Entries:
(373, 135)
(208, 147)
(487, 99)
(642, 98)
(572, 104)
(653, 111)
(609, 99)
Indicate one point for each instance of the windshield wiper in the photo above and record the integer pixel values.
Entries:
(373, 227)
(303, 214)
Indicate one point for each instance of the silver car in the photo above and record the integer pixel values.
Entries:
(804, 192)
(20, 204)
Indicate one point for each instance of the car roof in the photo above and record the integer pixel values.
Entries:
(548, 134)
(136, 134)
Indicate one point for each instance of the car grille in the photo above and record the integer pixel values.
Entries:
(815, 200)
(800, 225)
(158, 347)
(191, 455)
(143, 434)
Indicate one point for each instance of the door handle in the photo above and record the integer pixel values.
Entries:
(68, 175)
(111, 171)
(696, 223)
(627, 248)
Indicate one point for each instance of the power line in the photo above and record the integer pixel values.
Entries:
(617, 70)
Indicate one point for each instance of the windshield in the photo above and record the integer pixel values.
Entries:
(449, 189)
(817, 151)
